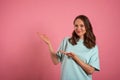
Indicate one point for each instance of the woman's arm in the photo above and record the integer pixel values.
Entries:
(52, 52)
(86, 67)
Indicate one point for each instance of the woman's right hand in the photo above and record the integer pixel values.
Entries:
(47, 41)
(44, 38)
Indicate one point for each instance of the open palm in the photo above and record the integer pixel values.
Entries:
(44, 38)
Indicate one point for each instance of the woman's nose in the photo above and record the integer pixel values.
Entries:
(78, 27)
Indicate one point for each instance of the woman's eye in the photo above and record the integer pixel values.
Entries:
(81, 25)
(76, 25)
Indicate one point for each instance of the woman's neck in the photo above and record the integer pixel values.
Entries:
(82, 37)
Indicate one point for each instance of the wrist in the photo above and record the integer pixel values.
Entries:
(49, 44)
(74, 56)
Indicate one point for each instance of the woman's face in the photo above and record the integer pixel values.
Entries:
(79, 28)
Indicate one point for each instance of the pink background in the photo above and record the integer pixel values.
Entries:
(23, 56)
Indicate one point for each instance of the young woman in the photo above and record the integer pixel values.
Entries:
(78, 54)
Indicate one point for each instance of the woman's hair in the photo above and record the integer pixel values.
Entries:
(89, 37)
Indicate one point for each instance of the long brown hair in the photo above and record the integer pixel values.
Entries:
(89, 37)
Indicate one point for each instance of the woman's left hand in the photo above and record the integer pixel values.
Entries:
(69, 54)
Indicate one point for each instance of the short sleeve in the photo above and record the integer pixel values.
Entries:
(63, 48)
(94, 59)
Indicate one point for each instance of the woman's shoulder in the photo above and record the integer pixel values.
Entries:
(66, 38)
(95, 48)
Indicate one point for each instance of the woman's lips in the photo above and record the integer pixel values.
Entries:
(78, 31)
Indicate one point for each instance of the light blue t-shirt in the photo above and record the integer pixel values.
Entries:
(70, 70)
